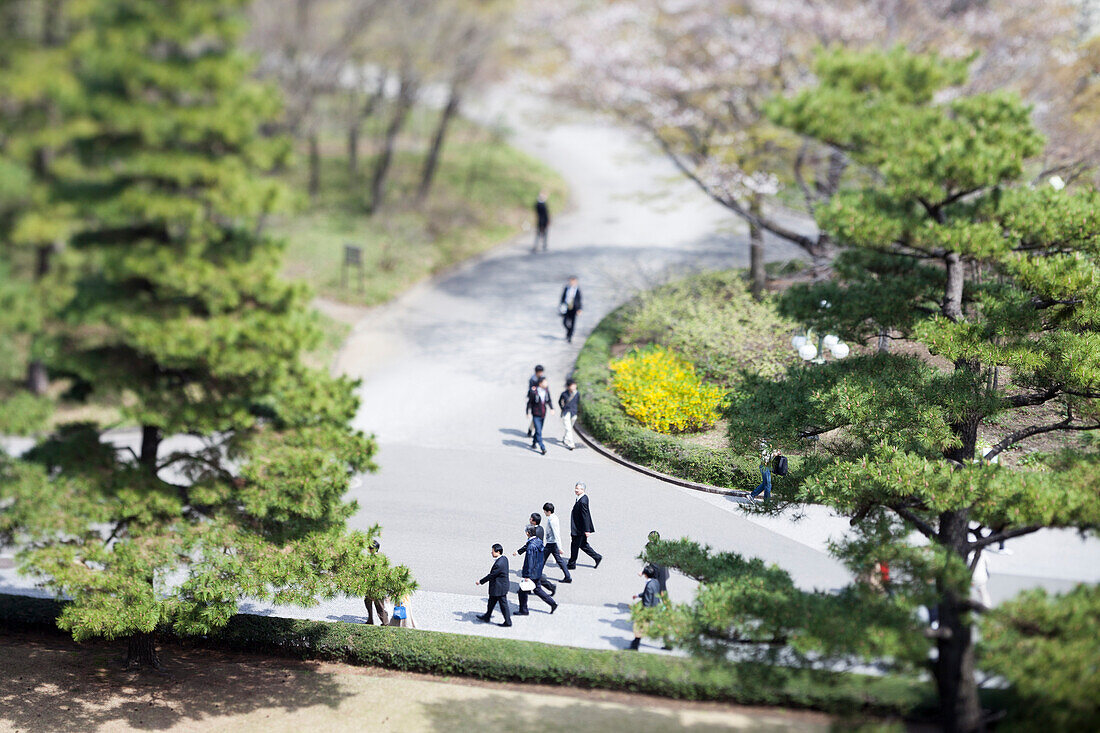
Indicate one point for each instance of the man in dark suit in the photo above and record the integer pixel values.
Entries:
(580, 526)
(570, 306)
(498, 587)
(542, 221)
(539, 403)
(536, 522)
(533, 561)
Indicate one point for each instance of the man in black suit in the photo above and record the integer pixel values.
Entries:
(533, 562)
(570, 306)
(498, 587)
(580, 526)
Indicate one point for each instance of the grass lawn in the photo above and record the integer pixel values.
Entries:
(60, 685)
(483, 194)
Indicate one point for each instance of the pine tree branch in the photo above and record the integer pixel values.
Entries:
(998, 537)
(1025, 433)
(1035, 398)
(908, 515)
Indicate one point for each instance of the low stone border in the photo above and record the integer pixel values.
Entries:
(606, 452)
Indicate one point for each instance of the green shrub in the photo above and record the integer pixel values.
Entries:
(662, 391)
(713, 321)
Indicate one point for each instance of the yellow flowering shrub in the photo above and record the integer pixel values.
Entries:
(662, 391)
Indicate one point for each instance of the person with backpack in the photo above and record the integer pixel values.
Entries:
(766, 456)
(539, 403)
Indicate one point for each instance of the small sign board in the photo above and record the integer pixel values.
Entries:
(353, 257)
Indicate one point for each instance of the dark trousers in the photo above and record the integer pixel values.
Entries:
(569, 320)
(538, 591)
(540, 235)
(537, 422)
(580, 542)
(501, 601)
(553, 551)
(377, 606)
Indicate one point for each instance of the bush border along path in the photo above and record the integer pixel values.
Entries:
(507, 660)
(613, 433)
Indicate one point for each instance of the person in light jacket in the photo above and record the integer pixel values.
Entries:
(570, 402)
(553, 541)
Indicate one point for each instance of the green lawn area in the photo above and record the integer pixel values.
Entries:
(482, 195)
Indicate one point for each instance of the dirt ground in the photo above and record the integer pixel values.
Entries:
(49, 683)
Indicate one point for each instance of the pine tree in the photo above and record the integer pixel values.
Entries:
(181, 312)
(993, 283)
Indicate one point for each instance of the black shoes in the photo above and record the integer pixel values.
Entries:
(566, 580)
(505, 623)
(572, 566)
(553, 608)
(598, 561)
(484, 618)
(530, 432)
(635, 644)
(553, 589)
(522, 613)
(544, 451)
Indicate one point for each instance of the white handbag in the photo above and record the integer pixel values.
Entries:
(526, 585)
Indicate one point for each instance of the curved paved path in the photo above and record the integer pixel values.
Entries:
(445, 369)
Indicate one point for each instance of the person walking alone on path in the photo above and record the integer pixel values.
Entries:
(651, 596)
(580, 526)
(498, 587)
(553, 540)
(765, 472)
(532, 382)
(569, 401)
(542, 222)
(570, 306)
(538, 402)
(375, 603)
(660, 570)
(532, 573)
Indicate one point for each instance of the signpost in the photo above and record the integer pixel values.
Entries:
(353, 257)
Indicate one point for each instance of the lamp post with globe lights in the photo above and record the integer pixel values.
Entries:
(811, 354)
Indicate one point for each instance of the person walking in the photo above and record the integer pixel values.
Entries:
(569, 401)
(498, 587)
(980, 581)
(651, 596)
(553, 535)
(532, 574)
(532, 382)
(538, 402)
(535, 521)
(660, 570)
(401, 616)
(570, 306)
(580, 527)
(373, 603)
(765, 473)
(542, 222)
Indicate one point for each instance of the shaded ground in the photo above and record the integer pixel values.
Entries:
(49, 683)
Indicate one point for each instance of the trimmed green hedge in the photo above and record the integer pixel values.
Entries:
(603, 417)
(523, 661)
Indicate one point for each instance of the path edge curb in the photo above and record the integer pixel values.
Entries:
(606, 452)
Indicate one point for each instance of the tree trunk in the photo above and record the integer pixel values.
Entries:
(953, 292)
(883, 341)
(314, 165)
(141, 651)
(954, 667)
(403, 105)
(756, 251)
(431, 164)
(38, 380)
(150, 444)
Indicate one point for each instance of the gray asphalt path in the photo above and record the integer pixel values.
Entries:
(445, 369)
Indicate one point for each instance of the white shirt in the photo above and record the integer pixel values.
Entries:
(552, 528)
(570, 294)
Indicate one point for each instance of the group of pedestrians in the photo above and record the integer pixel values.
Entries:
(540, 404)
(541, 542)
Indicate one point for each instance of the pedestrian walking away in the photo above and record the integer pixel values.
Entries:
(538, 402)
(651, 596)
(542, 222)
(536, 522)
(570, 306)
(553, 540)
(532, 382)
(498, 587)
(533, 560)
(580, 527)
(401, 615)
(569, 401)
(374, 601)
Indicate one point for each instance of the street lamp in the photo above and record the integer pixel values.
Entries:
(803, 344)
